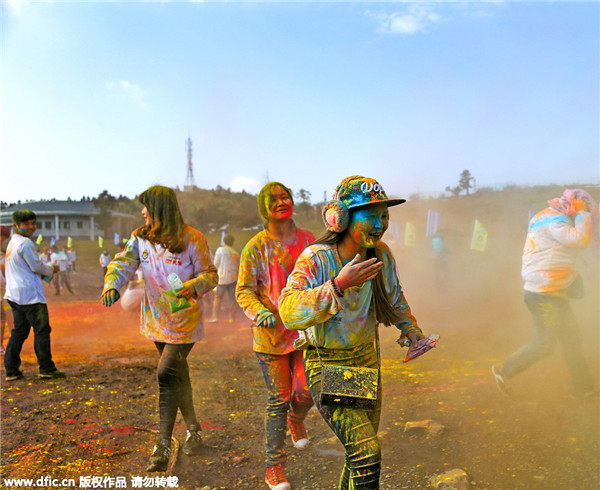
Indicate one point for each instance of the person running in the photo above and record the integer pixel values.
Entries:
(550, 280)
(165, 245)
(342, 287)
(27, 300)
(266, 261)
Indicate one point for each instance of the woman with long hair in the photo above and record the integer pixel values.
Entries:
(342, 287)
(164, 246)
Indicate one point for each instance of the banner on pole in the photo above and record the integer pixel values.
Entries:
(117, 238)
(69, 242)
(52, 241)
(479, 239)
(410, 235)
(101, 242)
(433, 222)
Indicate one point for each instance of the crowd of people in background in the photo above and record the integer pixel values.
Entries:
(65, 259)
(312, 303)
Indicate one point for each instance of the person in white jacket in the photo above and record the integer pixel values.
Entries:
(25, 295)
(164, 249)
(550, 280)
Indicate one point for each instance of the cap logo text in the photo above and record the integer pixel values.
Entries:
(368, 187)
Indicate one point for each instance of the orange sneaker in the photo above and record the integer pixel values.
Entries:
(298, 433)
(276, 478)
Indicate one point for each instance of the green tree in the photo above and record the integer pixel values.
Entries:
(304, 197)
(105, 202)
(465, 181)
(455, 191)
(464, 184)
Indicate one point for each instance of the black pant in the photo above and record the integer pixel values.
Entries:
(554, 322)
(26, 317)
(174, 387)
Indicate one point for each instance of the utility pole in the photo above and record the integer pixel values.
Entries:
(190, 182)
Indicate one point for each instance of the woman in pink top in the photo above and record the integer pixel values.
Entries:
(267, 261)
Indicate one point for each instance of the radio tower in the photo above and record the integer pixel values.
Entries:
(190, 182)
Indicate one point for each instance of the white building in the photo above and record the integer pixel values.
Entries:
(76, 219)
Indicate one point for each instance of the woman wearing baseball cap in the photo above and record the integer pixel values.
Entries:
(342, 287)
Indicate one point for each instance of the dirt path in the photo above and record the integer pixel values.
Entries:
(98, 422)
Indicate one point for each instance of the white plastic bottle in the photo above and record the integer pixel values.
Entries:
(174, 281)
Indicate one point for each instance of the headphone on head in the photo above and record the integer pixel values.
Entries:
(336, 216)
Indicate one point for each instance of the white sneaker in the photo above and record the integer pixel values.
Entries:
(299, 435)
(276, 478)
(501, 383)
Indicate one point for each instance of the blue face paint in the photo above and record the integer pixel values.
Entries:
(22, 230)
(368, 224)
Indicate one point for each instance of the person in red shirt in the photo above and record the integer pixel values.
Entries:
(266, 262)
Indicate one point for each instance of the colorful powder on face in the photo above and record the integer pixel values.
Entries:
(367, 225)
(265, 198)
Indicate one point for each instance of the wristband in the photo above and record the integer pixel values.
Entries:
(336, 288)
(411, 329)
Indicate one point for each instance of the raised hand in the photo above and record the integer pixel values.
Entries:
(355, 272)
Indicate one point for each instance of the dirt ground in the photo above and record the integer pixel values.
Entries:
(100, 420)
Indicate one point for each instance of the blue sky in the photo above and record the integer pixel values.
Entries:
(102, 95)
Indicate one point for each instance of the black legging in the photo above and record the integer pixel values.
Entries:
(175, 388)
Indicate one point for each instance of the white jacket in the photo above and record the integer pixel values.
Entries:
(551, 250)
(24, 271)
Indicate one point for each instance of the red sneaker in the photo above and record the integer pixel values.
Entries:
(276, 478)
(298, 433)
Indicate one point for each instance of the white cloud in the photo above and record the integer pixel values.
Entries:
(247, 184)
(416, 18)
(131, 90)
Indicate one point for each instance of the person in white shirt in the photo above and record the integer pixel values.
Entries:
(104, 261)
(25, 295)
(45, 256)
(72, 257)
(550, 281)
(227, 262)
(4, 235)
(59, 258)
